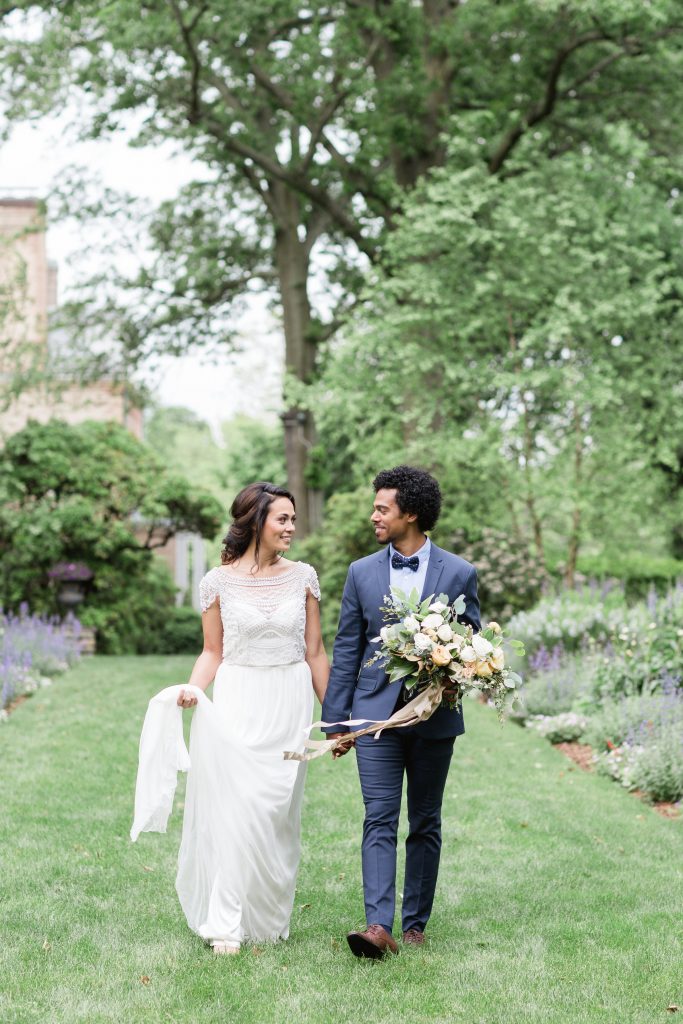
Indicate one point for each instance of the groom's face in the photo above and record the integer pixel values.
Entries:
(389, 523)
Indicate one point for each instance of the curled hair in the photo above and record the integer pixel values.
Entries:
(249, 511)
(417, 493)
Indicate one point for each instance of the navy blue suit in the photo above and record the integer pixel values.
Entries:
(422, 752)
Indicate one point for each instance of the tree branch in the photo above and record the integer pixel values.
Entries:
(544, 107)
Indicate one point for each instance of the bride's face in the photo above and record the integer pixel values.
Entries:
(278, 529)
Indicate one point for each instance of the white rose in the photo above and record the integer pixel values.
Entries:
(411, 623)
(432, 621)
(438, 606)
(422, 643)
(481, 645)
(497, 659)
(445, 632)
(468, 654)
(384, 633)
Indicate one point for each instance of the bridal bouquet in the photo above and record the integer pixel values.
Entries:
(425, 647)
(435, 657)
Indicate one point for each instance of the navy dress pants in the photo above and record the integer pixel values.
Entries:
(381, 766)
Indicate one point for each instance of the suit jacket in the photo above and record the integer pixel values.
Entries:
(356, 691)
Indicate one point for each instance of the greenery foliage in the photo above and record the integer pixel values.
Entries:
(94, 494)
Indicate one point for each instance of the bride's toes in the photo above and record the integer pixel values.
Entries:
(223, 948)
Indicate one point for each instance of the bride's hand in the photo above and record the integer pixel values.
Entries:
(186, 700)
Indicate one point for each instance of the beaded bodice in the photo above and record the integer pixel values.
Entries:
(264, 619)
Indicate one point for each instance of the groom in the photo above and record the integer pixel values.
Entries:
(407, 504)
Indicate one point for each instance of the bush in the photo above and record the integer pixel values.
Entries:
(509, 578)
(180, 634)
(557, 688)
(563, 728)
(571, 617)
(636, 573)
(642, 658)
(130, 617)
(33, 648)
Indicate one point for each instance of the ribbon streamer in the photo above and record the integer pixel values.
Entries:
(419, 709)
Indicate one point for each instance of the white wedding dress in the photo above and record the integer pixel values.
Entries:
(240, 847)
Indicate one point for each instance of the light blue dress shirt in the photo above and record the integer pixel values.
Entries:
(406, 579)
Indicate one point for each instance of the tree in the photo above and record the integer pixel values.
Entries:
(533, 315)
(93, 494)
(314, 121)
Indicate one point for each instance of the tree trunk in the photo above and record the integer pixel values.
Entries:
(292, 263)
(575, 535)
(528, 448)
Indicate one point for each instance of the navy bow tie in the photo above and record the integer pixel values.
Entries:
(400, 562)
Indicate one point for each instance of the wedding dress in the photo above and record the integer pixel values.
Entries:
(240, 845)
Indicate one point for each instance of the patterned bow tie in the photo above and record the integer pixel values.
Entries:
(400, 562)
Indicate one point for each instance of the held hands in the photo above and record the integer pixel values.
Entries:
(344, 749)
(186, 700)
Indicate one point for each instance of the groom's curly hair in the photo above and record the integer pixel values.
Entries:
(417, 492)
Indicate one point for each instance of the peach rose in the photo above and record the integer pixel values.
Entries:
(440, 656)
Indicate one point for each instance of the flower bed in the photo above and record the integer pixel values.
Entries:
(33, 650)
(616, 686)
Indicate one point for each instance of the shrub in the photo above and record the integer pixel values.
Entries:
(129, 618)
(637, 573)
(33, 648)
(562, 682)
(572, 617)
(509, 578)
(180, 634)
(562, 728)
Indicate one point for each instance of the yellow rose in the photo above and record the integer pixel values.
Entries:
(497, 659)
(440, 656)
(482, 668)
(495, 627)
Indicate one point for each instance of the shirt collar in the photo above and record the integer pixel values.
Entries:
(422, 553)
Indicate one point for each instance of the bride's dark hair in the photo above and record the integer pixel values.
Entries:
(249, 511)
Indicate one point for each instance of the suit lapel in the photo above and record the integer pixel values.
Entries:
(434, 570)
(382, 575)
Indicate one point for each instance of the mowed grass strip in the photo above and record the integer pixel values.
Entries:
(559, 897)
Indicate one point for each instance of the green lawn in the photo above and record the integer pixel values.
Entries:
(559, 898)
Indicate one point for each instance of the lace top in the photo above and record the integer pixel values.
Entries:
(264, 618)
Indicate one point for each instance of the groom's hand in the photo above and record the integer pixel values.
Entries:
(343, 749)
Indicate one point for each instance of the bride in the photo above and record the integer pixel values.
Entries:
(262, 649)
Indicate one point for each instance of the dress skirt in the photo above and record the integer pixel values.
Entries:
(240, 845)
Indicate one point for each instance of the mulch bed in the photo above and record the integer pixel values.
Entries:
(582, 755)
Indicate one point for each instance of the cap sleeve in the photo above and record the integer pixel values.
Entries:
(208, 591)
(311, 581)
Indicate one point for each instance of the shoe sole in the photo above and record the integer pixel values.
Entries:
(362, 948)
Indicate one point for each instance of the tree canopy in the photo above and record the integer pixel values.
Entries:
(313, 123)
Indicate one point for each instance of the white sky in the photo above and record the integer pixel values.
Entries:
(34, 157)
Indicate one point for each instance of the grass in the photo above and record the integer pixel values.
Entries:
(559, 897)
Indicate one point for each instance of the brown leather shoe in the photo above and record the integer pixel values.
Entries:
(414, 937)
(374, 943)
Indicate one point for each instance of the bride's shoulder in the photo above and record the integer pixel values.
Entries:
(309, 577)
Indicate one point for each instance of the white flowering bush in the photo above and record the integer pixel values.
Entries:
(563, 728)
(620, 764)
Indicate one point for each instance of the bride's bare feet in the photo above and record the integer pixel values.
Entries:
(225, 948)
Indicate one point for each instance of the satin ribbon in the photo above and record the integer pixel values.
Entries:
(419, 709)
